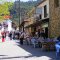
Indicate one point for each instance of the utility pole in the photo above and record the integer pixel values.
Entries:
(19, 15)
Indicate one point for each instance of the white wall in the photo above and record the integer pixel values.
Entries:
(9, 22)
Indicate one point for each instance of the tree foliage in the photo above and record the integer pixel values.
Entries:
(25, 7)
(28, 5)
(4, 9)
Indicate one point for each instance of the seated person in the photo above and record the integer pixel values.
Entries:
(33, 40)
(57, 45)
(40, 39)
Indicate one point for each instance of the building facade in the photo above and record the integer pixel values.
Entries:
(46, 16)
(29, 25)
(42, 16)
(54, 22)
(39, 18)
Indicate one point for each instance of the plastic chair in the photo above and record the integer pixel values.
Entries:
(57, 46)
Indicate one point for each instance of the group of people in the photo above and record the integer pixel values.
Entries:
(4, 35)
(41, 37)
(24, 36)
(28, 38)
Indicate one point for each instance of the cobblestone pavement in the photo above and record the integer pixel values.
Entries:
(12, 50)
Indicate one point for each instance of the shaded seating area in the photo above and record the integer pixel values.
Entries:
(34, 42)
(45, 44)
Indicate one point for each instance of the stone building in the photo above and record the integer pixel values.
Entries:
(42, 16)
(29, 25)
(46, 15)
(54, 22)
(39, 17)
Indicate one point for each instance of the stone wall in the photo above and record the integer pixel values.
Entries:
(54, 22)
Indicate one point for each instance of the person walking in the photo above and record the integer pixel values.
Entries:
(21, 38)
(10, 35)
(42, 34)
(3, 36)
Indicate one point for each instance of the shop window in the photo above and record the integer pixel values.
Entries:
(56, 3)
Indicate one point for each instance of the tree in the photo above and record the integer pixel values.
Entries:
(4, 9)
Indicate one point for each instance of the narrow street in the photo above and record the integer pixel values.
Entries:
(12, 50)
(29, 29)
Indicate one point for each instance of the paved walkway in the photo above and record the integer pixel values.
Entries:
(12, 50)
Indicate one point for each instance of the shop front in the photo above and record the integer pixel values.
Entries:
(39, 26)
(45, 28)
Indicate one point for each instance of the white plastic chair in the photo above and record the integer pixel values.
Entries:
(57, 50)
(34, 42)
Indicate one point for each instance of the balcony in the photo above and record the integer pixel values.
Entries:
(40, 18)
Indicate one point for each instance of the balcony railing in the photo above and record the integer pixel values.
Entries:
(38, 18)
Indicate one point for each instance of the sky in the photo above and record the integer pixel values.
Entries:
(24, 0)
(27, 0)
(1, 1)
(15, 0)
(21, 0)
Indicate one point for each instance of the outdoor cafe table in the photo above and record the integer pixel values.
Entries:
(48, 46)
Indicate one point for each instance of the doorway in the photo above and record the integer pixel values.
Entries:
(46, 32)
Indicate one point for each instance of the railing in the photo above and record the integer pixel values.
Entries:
(38, 18)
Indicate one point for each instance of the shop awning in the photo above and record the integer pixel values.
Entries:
(37, 23)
